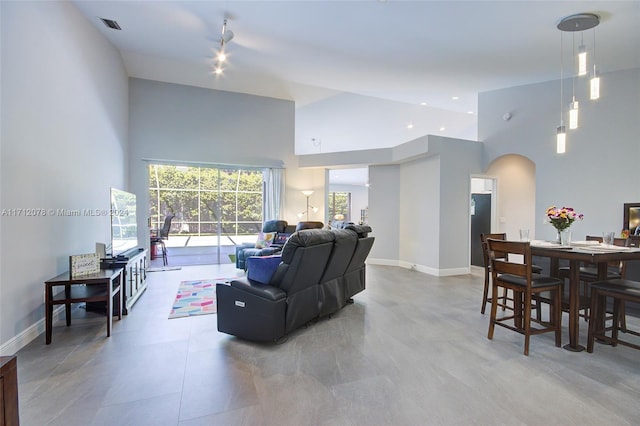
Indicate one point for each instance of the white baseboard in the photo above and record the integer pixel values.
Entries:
(383, 262)
(32, 332)
(420, 268)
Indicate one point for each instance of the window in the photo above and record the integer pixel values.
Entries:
(339, 204)
(206, 201)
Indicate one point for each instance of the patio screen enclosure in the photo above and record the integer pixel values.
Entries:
(207, 201)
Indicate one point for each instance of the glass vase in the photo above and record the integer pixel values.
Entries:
(565, 237)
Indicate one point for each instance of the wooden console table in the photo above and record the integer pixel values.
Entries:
(9, 391)
(103, 286)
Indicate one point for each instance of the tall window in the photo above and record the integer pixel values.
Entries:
(205, 200)
(339, 204)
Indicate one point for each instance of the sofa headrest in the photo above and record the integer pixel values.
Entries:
(309, 225)
(305, 238)
(343, 234)
(274, 226)
(361, 230)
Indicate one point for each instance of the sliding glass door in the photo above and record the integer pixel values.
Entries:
(215, 207)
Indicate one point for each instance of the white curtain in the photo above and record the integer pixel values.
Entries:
(274, 190)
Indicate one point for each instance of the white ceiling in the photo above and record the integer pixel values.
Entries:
(404, 53)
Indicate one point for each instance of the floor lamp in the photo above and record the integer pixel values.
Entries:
(307, 193)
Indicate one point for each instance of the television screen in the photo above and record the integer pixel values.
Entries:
(124, 230)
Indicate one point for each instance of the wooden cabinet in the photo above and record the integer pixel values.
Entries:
(9, 391)
(135, 275)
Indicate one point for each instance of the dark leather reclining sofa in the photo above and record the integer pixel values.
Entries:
(316, 274)
(282, 229)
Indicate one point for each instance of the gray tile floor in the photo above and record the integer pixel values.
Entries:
(412, 350)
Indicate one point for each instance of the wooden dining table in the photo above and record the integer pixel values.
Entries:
(596, 254)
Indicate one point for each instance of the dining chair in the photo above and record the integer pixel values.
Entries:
(633, 241)
(620, 291)
(525, 285)
(487, 272)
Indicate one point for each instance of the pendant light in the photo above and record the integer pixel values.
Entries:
(561, 134)
(595, 85)
(582, 58)
(573, 107)
(574, 23)
(573, 114)
(561, 139)
(594, 92)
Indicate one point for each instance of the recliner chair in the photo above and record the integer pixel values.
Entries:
(248, 249)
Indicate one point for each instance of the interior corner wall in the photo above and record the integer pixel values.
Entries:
(460, 159)
(177, 123)
(384, 213)
(593, 176)
(419, 219)
(64, 141)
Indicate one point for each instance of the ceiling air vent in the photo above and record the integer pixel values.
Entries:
(110, 23)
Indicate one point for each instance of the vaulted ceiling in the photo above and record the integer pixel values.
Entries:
(362, 72)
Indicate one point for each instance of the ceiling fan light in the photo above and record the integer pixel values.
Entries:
(227, 36)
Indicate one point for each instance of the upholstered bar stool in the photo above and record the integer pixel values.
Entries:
(487, 272)
(525, 285)
(620, 291)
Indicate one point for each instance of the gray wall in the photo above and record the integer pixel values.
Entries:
(64, 143)
(384, 212)
(419, 208)
(420, 213)
(596, 175)
(195, 125)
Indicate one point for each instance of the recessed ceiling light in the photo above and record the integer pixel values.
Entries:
(470, 112)
(455, 98)
(442, 128)
(410, 126)
(423, 103)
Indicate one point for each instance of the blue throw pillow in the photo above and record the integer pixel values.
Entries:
(262, 268)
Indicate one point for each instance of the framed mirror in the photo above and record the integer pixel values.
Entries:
(632, 218)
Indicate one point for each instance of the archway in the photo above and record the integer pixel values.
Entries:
(515, 194)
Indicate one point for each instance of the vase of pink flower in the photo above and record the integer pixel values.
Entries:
(562, 218)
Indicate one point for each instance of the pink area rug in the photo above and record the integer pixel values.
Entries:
(195, 298)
